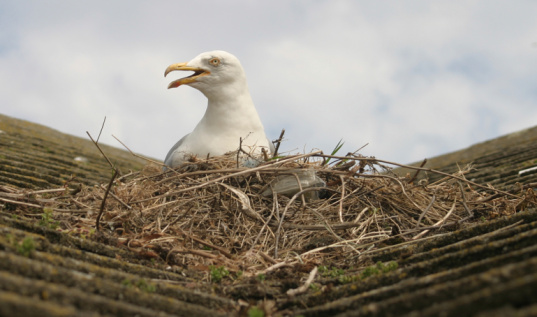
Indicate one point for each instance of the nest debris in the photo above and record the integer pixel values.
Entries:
(209, 212)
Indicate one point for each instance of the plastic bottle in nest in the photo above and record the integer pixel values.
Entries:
(288, 184)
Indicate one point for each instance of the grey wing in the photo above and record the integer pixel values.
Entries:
(168, 159)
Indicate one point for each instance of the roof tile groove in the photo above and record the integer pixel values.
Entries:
(486, 269)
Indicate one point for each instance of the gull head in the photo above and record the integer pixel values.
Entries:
(214, 70)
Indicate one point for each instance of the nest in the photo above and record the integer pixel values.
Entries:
(211, 212)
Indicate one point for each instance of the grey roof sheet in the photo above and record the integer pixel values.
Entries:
(489, 269)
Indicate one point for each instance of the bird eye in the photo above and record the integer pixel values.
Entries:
(215, 61)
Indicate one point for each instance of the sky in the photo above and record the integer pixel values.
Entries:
(406, 79)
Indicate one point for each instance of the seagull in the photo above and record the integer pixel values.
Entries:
(230, 116)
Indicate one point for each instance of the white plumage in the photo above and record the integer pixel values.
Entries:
(230, 114)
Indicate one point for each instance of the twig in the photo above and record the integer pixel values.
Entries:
(299, 182)
(340, 244)
(425, 211)
(242, 172)
(118, 199)
(265, 224)
(399, 245)
(210, 245)
(20, 203)
(26, 197)
(101, 210)
(342, 197)
(295, 196)
(417, 172)
(278, 142)
(439, 222)
(360, 148)
(46, 191)
(200, 253)
(100, 150)
(101, 131)
(421, 169)
(138, 155)
(239, 151)
(267, 257)
(8, 189)
(470, 213)
(303, 288)
(395, 180)
(265, 155)
(245, 202)
(329, 229)
(274, 267)
(336, 226)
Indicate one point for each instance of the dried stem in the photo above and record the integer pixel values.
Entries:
(278, 142)
(104, 155)
(101, 210)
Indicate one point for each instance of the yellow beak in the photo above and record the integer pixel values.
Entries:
(198, 72)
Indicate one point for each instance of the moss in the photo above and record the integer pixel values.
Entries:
(330, 272)
(26, 247)
(255, 311)
(315, 287)
(218, 273)
(47, 220)
(140, 284)
(379, 268)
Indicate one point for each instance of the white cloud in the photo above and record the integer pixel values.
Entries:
(413, 79)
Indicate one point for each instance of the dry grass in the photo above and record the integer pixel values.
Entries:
(212, 213)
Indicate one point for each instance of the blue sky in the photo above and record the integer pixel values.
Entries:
(412, 79)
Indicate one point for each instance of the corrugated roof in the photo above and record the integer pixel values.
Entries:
(489, 269)
(35, 156)
(501, 162)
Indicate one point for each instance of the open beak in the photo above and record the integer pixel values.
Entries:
(198, 72)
